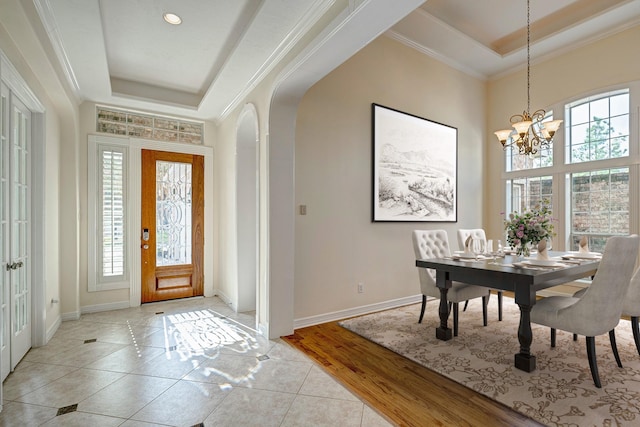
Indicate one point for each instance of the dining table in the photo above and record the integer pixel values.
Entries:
(508, 273)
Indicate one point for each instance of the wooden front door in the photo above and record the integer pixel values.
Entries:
(172, 235)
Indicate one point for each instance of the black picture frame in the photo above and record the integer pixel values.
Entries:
(415, 168)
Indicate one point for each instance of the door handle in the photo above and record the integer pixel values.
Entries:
(14, 266)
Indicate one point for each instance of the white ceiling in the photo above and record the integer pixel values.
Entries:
(488, 38)
(121, 52)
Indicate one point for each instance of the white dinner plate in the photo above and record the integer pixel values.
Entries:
(542, 262)
(467, 255)
(530, 263)
(583, 255)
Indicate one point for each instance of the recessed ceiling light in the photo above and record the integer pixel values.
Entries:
(172, 18)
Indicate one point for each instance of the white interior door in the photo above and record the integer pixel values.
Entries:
(15, 227)
(5, 318)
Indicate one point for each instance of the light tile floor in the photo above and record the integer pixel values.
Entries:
(180, 363)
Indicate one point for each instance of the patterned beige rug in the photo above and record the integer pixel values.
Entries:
(559, 393)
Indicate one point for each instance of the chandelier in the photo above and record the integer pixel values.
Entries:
(529, 132)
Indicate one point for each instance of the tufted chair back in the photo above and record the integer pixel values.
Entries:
(430, 244)
(475, 233)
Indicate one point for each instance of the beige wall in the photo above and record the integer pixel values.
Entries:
(337, 245)
(573, 74)
(19, 42)
(52, 209)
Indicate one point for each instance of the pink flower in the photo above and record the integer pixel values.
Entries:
(520, 234)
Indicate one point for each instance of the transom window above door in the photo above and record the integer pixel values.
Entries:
(148, 126)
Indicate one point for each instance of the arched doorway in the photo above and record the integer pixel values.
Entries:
(344, 37)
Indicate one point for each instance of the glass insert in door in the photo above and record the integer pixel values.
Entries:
(20, 222)
(173, 213)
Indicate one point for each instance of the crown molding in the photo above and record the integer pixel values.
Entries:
(43, 7)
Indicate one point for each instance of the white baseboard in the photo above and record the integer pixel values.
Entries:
(53, 329)
(73, 315)
(118, 305)
(263, 329)
(356, 311)
(104, 307)
(225, 299)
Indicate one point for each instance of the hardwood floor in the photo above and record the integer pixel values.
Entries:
(406, 393)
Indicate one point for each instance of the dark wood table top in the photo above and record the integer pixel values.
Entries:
(502, 274)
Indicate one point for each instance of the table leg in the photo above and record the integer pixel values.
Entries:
(443, 332)
(525, 360)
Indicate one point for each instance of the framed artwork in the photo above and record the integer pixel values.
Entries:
(414, 168)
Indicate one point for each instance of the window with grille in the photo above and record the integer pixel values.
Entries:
(599, 206)
(598, 128)
(598, 131)
(524, 194)
(592, 173)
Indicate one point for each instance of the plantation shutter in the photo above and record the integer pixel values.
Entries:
(112, 210)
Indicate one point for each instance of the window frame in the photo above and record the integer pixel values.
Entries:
(589, 99)
(97, 281)
(591, 235)
(561, 170)
(511, 187)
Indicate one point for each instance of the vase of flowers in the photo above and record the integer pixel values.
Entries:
(529, 228)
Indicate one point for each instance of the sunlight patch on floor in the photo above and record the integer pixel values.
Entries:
(196, 333)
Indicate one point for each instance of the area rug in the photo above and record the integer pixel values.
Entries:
(560, 392)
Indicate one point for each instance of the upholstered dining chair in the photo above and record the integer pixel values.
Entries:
(477, 233)
(435, 244)
(630, 308)
(599, 308)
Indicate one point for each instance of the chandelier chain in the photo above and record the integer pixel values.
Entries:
(528, 58)
(529, 130)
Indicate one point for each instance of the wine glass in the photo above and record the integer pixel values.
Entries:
(490, 251)
(477, 246)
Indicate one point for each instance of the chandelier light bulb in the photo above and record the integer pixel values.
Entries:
(503, 135)
(522, 127)
(552, 126)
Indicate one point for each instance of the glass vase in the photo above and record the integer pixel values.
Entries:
(524, 251)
